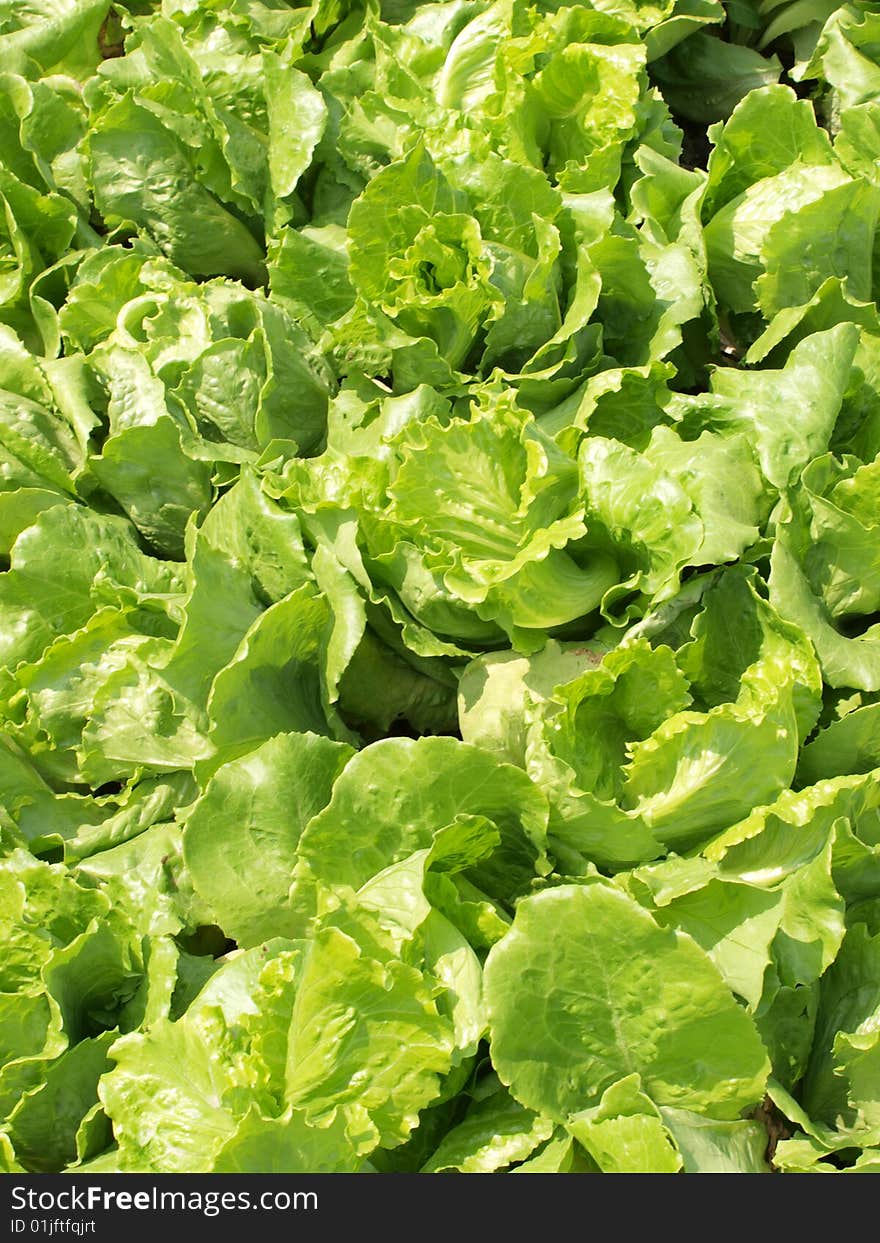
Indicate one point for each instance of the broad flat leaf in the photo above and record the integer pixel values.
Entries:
(625, 996)
(240, 842)
(395, 795)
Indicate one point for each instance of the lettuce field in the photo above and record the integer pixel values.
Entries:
(440, 586)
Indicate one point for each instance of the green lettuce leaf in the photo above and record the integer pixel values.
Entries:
(240, 842)
(617, 1014)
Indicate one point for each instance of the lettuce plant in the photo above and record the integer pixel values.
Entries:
(439, 586)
